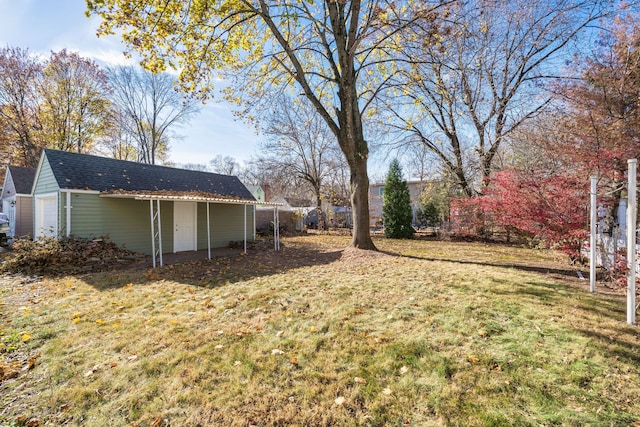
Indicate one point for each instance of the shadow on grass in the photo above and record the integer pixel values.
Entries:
(220, 270)
(528, 268)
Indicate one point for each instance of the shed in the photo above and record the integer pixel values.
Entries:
(150, 209)
(16, 200)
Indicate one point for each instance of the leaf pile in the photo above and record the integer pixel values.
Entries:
(66, 256)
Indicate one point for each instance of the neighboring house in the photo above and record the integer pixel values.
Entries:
(148, 208)
(16, 200)
(257, 192)
(299, 207)
(376, 195)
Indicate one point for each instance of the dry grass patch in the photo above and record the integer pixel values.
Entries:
(424, 333)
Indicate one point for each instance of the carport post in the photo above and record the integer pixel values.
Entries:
(153, 234)
(159, 232)
(208, 233)
(631, 242)
(592, 242)
(277, 230)
(245, 228)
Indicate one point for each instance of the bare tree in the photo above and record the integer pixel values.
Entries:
(479, 78)
(299, 143)
(276, 182)
(150, 108)
(195, 167)
(225, 165)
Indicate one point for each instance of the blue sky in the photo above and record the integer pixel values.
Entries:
(46, 25)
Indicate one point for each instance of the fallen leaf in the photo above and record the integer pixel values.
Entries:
(91, 371)
(237, 363)
(157, 422)
(473, 359)
(387, 391)
(276, 351)
(294, 360)
(76, 320)
(404, 370)
(100, 322)
(280, 333)
(132, 358)
(26, 337)
(359, 380)
(219, 347)
(339, 400)
(32, 362)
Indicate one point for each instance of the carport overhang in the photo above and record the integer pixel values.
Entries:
(156, 219)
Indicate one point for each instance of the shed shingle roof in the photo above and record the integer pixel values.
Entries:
(86, 172)
(22, 178)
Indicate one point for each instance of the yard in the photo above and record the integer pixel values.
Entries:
(424, 333)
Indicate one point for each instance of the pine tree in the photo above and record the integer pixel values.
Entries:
(396, 205)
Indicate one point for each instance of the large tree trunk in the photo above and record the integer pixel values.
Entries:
(360, 204)
(356, 151)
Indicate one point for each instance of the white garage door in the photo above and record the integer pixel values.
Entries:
(47, 216)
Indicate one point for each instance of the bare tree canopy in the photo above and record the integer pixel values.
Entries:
(300, 144)
(481, 77)
(149, 109)
(225, 165)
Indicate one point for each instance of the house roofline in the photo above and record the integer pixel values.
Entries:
(174, 198)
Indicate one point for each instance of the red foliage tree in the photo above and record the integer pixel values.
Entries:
(602, 120)
(551, 208)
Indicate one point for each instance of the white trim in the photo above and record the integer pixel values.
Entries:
(68, 212)
(70, 190)
(4, 183)
(38, 170)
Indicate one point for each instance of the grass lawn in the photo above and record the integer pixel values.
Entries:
(426, 333)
